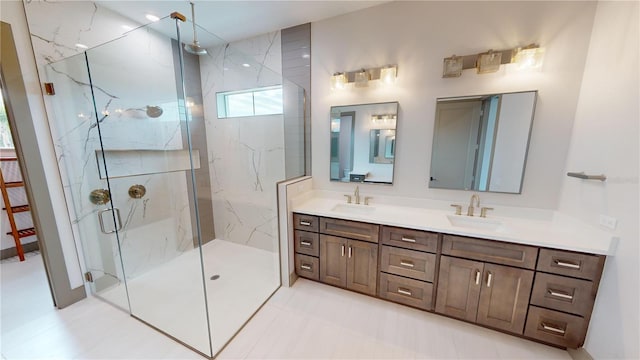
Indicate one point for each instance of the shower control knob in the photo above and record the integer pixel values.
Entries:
(99, 196)
(137, 191)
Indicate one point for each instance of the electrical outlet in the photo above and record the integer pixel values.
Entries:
(608, 222)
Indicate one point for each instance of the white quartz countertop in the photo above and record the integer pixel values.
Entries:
(558, 232)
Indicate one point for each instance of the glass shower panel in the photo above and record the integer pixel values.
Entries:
(246, 158)
(147, 161)
(75, 137)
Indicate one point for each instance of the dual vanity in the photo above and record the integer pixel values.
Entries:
(536, 278)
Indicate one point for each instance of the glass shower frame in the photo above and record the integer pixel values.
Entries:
(121, 128)
(107, 136)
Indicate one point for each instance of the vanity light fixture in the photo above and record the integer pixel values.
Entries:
(489, 62)
(383, 119)
(360, 78)
(528, 57)
(338, 81)
(388, 74)
(452, 66)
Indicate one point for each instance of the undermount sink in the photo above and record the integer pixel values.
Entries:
(354, 209)
(475, 222)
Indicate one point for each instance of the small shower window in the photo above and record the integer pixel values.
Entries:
(253, 102)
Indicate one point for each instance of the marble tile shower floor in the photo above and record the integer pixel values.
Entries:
(238, 279)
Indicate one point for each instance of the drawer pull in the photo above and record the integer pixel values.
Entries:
(560, 294)
(553, 329)
(477, 277)
(489, 278)
(305, 267)
(409, 240)
(406, 263)
(350, 251)
(342, 250)
(305, 223)
(404, 291)
(567, 264)
(305, 243)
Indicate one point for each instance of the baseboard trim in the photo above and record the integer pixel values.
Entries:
(579, 354)
(12, 251)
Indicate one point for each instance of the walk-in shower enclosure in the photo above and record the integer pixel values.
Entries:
(170, 183)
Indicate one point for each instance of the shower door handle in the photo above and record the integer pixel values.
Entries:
(118, 219)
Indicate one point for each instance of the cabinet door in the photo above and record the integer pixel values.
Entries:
(459, 287)
(333, 260)
(504, 297)
(362, 266)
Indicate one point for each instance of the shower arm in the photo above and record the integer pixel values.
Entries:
(193, 21)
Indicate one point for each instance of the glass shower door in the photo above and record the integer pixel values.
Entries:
(75, 136)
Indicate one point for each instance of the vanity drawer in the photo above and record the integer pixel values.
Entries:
(410, 263)
(562, 293)
(406, 291)
(583, 266)
(410, 239)
(350, 229)
(307, 243)
(555, 327)
(491, 251)
(305, 222)
(307, 266)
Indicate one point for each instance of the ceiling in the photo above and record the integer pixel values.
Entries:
(235, 20)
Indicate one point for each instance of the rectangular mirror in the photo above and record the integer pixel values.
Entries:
(480, 143)
(363, 142)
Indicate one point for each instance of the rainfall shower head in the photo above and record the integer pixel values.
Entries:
(195, 47)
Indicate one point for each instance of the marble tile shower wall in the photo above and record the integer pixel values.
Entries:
(149, 224)
(246, 154)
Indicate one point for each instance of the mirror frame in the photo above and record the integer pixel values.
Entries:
(478, 131)
(392, 160)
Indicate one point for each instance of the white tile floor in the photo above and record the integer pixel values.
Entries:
(308, 321)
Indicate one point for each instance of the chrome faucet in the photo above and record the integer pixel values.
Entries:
(356, 195)
(470, 209)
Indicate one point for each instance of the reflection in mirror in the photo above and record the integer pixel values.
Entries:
(382, 146)
(363, 142)
(480, 143)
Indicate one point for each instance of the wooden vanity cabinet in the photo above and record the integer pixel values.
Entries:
(337, 252)
(563, 296)
(408, 266)
(348, 263)
(490, 294)
(306, 244)
(546, 295)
